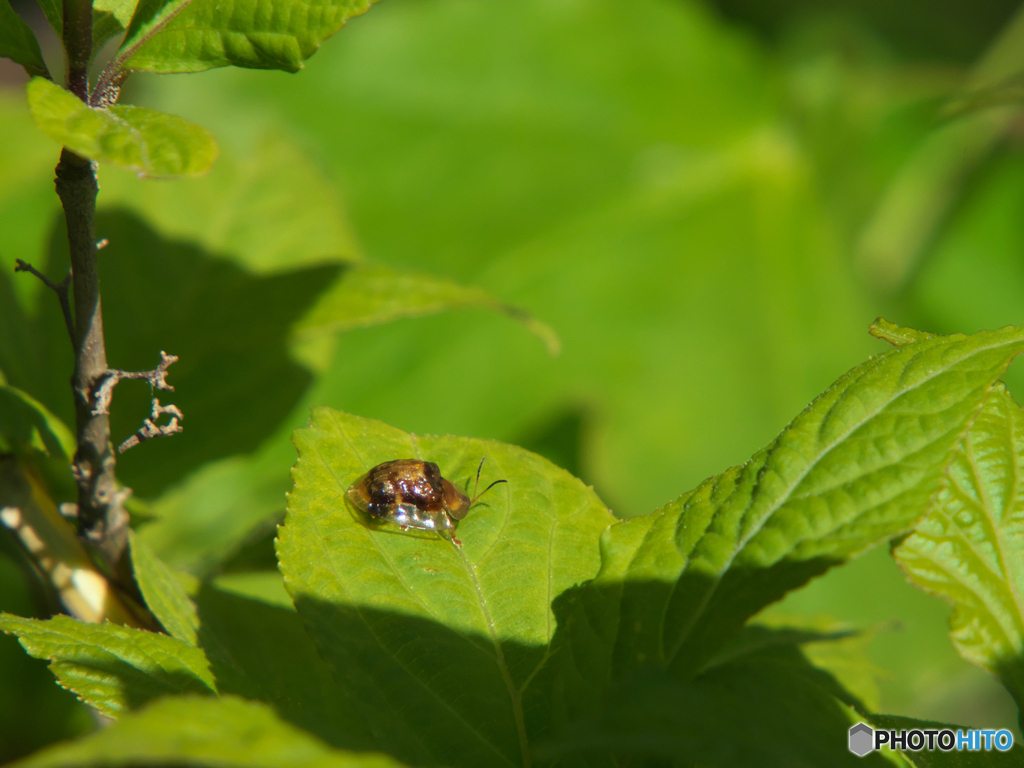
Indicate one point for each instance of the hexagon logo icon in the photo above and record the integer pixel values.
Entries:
(862, 739)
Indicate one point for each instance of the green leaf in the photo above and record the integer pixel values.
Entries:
(858, 466)
(259, 649)
(969, 550)
(268, 206)
(767, 708)
(163, 592)
(183, 36)
(829, 645)
(25, 423)
(149, 142)
(18, 42)
(371, 294)
(110, 667)
(196, 731)
(442, 640)
(54, 12)
(235, 381)
(897, 335)
(110, 18)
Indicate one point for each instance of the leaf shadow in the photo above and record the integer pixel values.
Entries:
(235, 380)
(430, 694)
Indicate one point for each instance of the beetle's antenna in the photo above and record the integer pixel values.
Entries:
(477, 483)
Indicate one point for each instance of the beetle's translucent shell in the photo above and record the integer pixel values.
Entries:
(411, 493)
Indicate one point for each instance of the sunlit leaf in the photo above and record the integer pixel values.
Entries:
(373, 293)
(199, 731)
(897, 335)
(269, 208)
(18, 42)
(860, 465)
(183, 36)
(163, 593)
(110, 18)
(110, 667)
(969, 550)
(443, 640)
(149, 142)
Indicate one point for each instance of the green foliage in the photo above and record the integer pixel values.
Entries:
(164, 594)
(190, 36)
(110, 667)
(372, 294)
(551, 154)
(18, 42)
(54, 13)
(858, 466)
(25, 424)
(110, 18)
(968, 550)
(269, 208)
(149, 142)
(439, 642)
(778, 696)
(204, 732)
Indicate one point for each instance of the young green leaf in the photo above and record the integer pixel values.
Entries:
(164, 594)
(182, 36)
(442, 640)
(149, 142)
(201, 731)
(110, 667)
(370, 294)
(858, 466)
(54, 12)
(969, 550)
(18, 42)
(110, 18)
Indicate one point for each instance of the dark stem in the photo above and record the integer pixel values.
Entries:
(78, 45)
(102, 520)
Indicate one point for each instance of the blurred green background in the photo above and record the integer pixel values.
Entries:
(708, 203)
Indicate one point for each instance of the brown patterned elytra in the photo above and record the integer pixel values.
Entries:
(413, 494)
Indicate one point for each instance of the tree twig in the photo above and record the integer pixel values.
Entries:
(157, 379)
(61, 289)
(151, 429)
